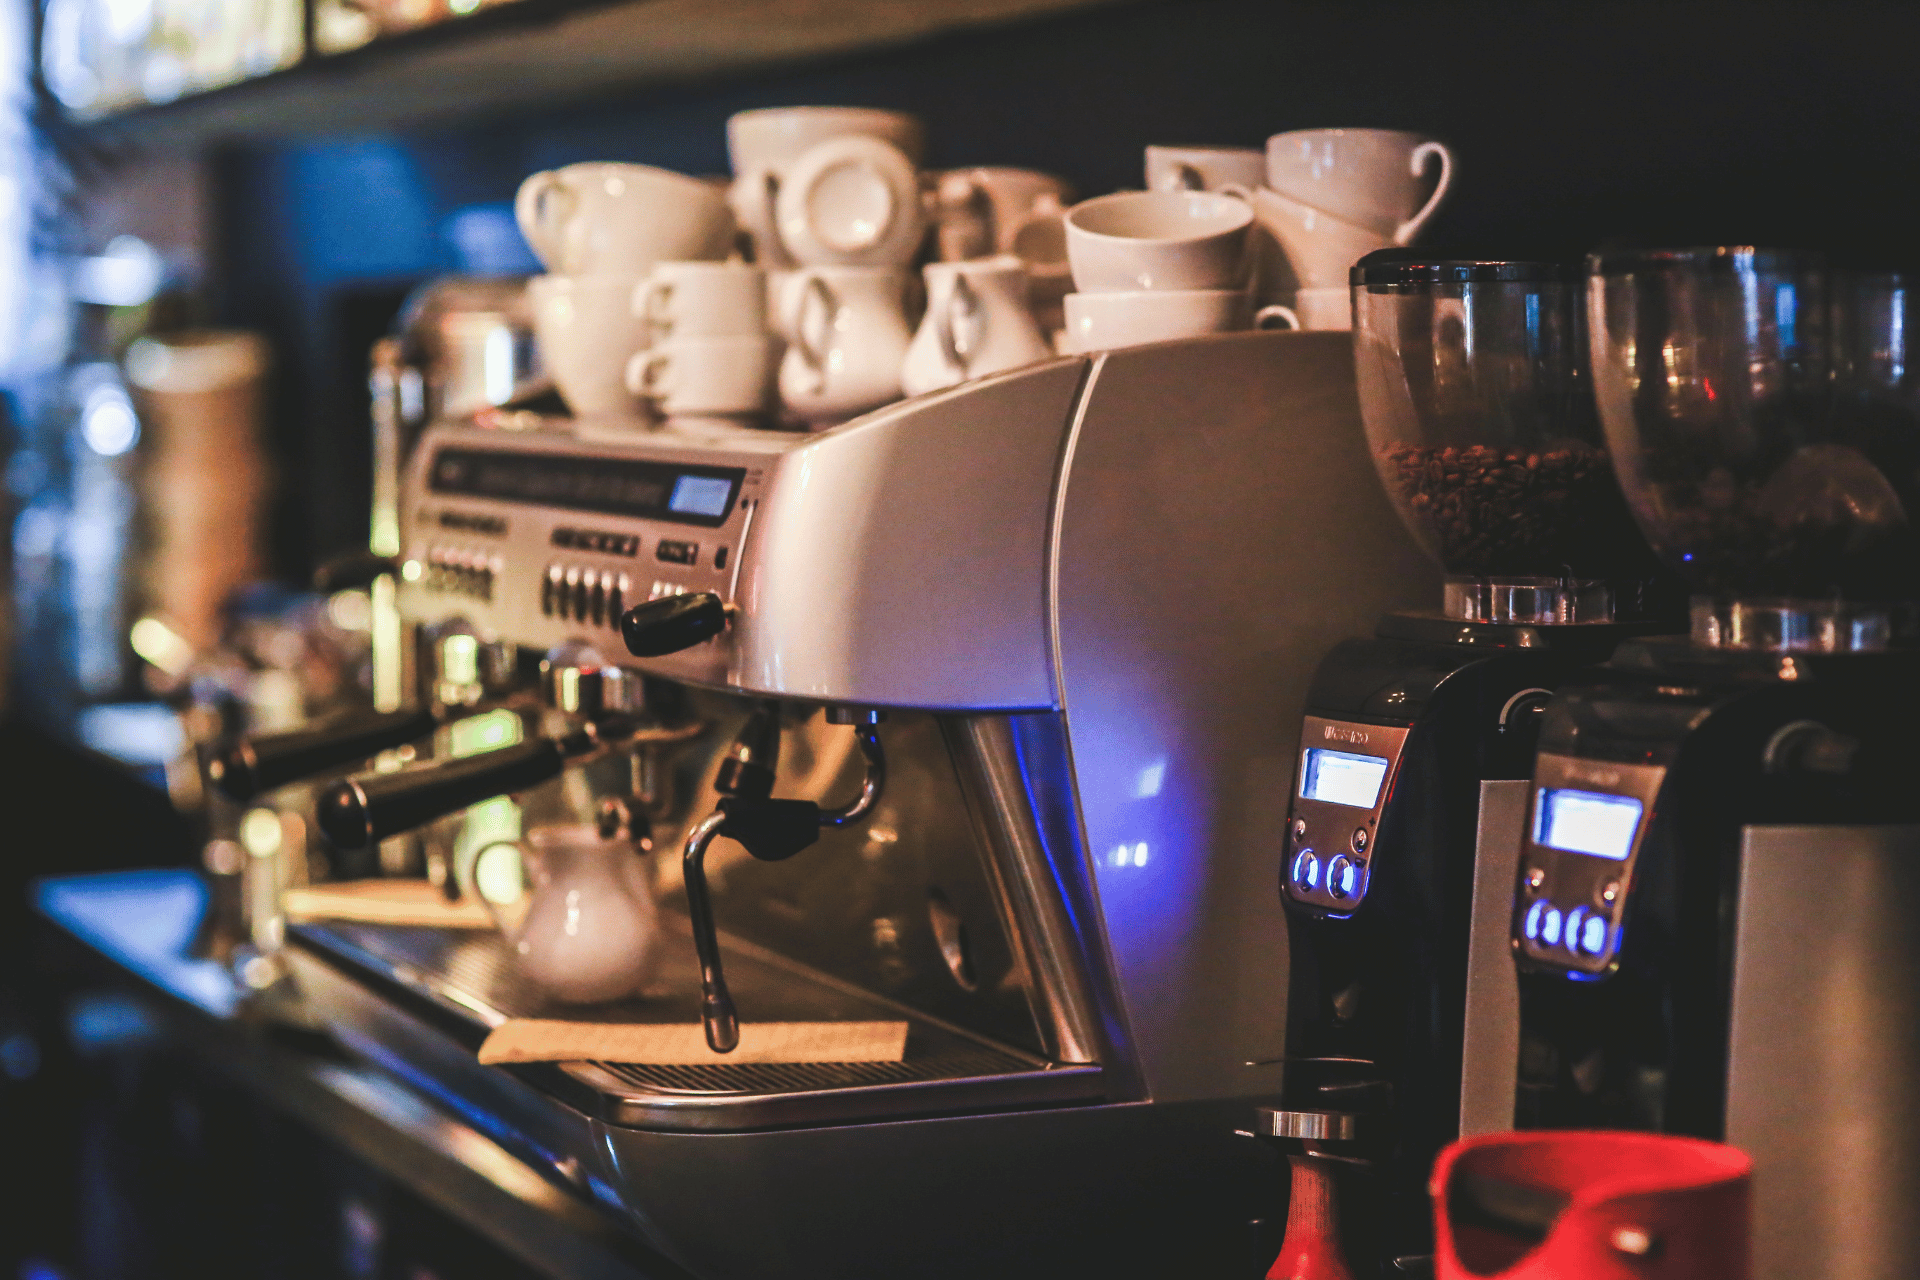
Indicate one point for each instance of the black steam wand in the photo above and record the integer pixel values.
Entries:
(771, 830)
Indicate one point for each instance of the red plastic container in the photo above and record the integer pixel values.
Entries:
(1591, 1206)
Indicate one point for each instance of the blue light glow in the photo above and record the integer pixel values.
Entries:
(1550, 927)
(1532, 926)
(1593, 935)
(1306, 870)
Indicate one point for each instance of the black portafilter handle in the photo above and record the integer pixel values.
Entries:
(367, 808)
(254, 765)
(672, 623)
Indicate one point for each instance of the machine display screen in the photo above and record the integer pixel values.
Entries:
(609, 486)
(1590, 822)
(1340, 777)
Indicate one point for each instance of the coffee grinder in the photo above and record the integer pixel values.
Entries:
(1481, 426)
(1713, 914)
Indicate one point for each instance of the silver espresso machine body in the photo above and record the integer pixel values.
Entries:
(1090, 596)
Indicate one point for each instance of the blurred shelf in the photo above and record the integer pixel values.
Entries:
(548, 52)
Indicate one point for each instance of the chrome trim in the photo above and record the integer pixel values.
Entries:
(1307, 1126)
(987, 757)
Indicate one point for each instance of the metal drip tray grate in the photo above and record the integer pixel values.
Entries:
(789, 1077)
(466, 984)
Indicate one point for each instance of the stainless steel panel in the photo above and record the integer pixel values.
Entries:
(1490, 1050)
(1823, 1085)
(1219, 527)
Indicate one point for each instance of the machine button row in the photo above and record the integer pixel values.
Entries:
(460, 570)
(598, 596)
(613, 544)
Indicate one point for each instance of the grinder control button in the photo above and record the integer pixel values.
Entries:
(1359, 839)
(674, 552)
(1306, 870)
(1342, 877)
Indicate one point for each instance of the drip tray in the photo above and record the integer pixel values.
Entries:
(463, 983)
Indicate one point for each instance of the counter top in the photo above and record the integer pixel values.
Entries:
(143, 924)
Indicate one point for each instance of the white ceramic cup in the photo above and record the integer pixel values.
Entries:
(620, 219)
(1372, 178)
(847, 341)
(1324, 308)
(977, 323)
(1158, 240)
(1103, 321)
(763, 144)
(1205, 168)
(1304, 247)
(850, 202)
(706, 375)
(702, 299)
(587, 332)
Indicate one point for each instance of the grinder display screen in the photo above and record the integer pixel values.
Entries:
(609, 486)
(1340, 777)
(1590, 822)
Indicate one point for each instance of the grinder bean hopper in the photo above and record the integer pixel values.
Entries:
(1479, 417)
(1713, 916)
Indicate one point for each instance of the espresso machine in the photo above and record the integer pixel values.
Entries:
(1716, 886)
(1480, 421)
(992, 682)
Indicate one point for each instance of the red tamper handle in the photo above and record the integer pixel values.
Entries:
(1311, 1250)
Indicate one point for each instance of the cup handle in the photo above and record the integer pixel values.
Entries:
(1235, 190)
(960, 300)
(646, 374)
(1411, 227)
(814, 358)
(1275, 312)
(752, 200)
(651, 299)
(532, 204)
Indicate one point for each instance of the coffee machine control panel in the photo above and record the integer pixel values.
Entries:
(1345, 774)
(1585, 825)
(538, 538)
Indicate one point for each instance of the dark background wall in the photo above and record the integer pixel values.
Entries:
(1574, 124)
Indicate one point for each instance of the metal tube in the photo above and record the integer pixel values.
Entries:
(871, 785)
(716, 1004)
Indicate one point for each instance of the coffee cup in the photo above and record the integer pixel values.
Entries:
(620, 219)
(977, 323)
(763, 144)
(1136, 240)
(1104, 321)
(1205, 168)
(1372, 178)
(850, 202)
(702, 299)
(847, 341)
(587, 332)
(1301, 247)
(706, 375)
(987, 210)
(1324, 308)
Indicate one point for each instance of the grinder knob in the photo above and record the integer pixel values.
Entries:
(253, 765)
(672, 623)
(368, 807)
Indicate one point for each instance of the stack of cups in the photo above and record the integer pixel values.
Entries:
(709, 353)
(1331, 197)
(831, 198)
(600, 229)
(1155, 265)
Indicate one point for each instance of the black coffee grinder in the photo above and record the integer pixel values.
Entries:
(1479, 415)
(1713, 919)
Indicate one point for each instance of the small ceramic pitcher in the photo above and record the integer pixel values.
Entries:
(977, 322)
(848, 331)
(577, 908)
